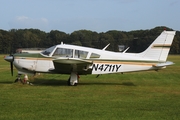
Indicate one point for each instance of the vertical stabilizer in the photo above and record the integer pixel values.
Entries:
(159, 49)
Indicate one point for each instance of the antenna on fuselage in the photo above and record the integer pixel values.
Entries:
(106, 46)
(62, 43)
(126, 50)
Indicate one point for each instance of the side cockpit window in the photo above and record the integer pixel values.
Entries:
(63, 52)
(94, 55)
(80, 54)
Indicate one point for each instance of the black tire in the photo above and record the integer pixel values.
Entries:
(68, 82)
(16, 80)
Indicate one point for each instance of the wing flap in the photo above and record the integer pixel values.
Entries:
(67, 65)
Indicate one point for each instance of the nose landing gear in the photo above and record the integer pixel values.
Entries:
(18, 79)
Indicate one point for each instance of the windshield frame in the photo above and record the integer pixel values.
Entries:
(48, 51)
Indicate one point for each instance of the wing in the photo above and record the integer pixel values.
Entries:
(68, 65)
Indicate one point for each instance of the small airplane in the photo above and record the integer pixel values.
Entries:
(78, 60)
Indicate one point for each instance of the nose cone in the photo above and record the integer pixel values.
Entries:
(8, 58)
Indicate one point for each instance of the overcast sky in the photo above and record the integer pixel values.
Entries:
(94, 15)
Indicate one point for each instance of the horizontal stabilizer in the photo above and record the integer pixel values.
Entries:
(159, 65)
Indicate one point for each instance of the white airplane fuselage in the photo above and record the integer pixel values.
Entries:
(72, 59)
(108, 62)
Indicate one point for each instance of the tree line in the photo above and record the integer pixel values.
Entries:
(137, 40)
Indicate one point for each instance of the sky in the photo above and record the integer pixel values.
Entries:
(95, 15)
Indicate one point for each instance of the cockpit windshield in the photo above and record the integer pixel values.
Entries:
(48, 51)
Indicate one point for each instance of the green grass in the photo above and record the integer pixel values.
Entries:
(140, 95)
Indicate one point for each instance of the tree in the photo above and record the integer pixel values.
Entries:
(84, 37)
(5, 42)
(137, 40)
(105, 39)
(56, 37)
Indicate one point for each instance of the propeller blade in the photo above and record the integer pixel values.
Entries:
(10, 59)
(12, 65)
(11, 68)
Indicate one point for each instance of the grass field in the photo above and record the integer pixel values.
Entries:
(139, 95)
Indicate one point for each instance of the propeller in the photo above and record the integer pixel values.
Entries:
(11, 64)
(10, 59)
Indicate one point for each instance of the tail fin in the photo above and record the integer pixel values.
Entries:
(159, 49)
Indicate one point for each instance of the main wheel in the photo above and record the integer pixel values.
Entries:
(68, 82)
(75, 84)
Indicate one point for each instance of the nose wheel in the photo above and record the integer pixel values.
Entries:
(18, 79)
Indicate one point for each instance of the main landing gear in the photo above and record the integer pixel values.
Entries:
(73, 79)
